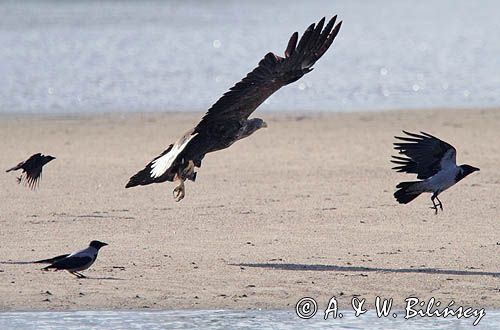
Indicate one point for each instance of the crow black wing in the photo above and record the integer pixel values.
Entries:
(72, 262)
(272, 73)
(425, 154)
(33, 176)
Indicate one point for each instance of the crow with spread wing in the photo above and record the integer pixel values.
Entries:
(32, 168)
(433, 160)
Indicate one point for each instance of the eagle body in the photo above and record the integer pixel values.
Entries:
(220, 137)
(193, 146)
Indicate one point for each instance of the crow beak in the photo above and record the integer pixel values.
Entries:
(104, 244)
(264, 124)
(476, 169)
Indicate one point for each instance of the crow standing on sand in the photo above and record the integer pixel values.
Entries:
(32, 167)
(433, 160)
(227, 120)
(76, 261)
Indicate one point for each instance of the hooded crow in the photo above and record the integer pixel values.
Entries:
(32, 167)
(76, 261)
(433, 160)
(227, 120)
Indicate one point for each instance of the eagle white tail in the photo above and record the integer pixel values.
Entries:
(160, 165)
(158, 170)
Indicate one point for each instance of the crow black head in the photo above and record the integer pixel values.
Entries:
(47, 159)
(97, 244)
(467, 169)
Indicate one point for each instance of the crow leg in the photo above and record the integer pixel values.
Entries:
(434, 207)
(440, 204)
(179, 191)
(79, 275)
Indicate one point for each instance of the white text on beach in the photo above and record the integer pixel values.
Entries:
(307, 307)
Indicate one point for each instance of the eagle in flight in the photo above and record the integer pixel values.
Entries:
(433, 160)
(227, 120)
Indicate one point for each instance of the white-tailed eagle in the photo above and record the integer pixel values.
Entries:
(227, 120)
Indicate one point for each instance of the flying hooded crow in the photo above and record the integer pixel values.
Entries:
(76, 261)
(32, 167)
(227, 120)
(433, 160)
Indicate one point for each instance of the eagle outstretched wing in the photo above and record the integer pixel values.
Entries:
(425, 154)
(272, 73)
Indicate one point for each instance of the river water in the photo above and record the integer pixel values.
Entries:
(146, 56)
(220, 319)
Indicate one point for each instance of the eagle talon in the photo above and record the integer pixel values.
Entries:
(179, 192)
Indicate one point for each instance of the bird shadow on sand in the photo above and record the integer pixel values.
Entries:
(9, 262)
(103, 278)
(335, 268)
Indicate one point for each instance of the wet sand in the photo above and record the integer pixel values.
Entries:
(302, 208)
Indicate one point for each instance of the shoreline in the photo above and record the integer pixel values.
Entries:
(257, 113)
(302, 208)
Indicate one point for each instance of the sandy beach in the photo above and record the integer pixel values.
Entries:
(302, 208)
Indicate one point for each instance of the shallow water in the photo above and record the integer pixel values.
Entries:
(220, 319)
(94, 56)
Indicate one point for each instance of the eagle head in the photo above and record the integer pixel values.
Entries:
(251, 126)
